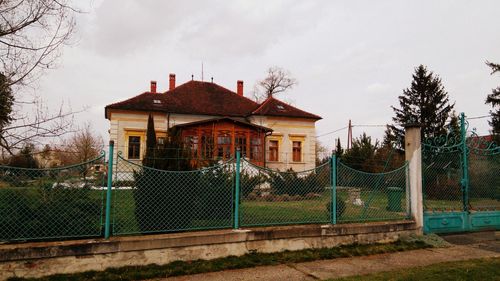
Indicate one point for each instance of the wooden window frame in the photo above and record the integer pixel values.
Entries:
(297, 151)
(274, 151)
(139, 152)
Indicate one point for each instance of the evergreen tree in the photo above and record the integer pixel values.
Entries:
(426, 103)
(494, 100)
(362, 153)
(339, 151)
(24, 158)
(6, 102)
(149, 158)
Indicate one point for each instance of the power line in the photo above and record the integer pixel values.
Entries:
(329, 133)
(343, 128)
(479, 117)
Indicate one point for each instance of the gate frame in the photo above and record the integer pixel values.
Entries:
(464, 220)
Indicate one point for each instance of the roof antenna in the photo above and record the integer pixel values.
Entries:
(192, 77)
(212, 79)
(202, 71)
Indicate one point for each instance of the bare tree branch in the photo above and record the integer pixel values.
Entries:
(277, 81)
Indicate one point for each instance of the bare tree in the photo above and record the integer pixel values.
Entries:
(32, 33)
(278, 80)
(83, 145)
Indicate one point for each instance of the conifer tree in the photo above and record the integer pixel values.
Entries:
(149, 158)
(339, 151)
(494, 100)
(426, 103)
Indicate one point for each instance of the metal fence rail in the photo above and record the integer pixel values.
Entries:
(64, 202)
(363, 196)
(147, 200)
(269, 197)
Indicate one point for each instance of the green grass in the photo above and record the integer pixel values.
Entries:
(177, 268)
(478, 269)
(254, 213)
(457, 205)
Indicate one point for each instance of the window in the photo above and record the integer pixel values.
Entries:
(255, 148)
(297, 151)
(273, 150)
(191, 144)
(240, 141)
(134, 147)
(224, 145)
(207, 146)
(160, 141)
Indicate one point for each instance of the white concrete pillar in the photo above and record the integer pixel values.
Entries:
(413, 154)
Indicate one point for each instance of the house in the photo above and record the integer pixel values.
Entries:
(214, 122)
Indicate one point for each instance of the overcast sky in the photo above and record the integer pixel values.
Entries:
(352, 58)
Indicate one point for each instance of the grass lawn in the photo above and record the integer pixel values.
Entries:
(457, 205)
(479, 269)
(252, 213)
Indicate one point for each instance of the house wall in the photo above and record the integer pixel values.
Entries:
(285, 130)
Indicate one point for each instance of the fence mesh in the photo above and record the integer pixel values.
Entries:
(52, 203)
(147, 200)
(441, 179)
(365, 196)
(484, 180)
(269, 197)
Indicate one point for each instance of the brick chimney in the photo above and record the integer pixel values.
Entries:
(171, 82)
(239, 87)
(153, 87)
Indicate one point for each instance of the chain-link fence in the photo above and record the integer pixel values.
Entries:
(70, 202)
(64, 202)
(441, 179)
(484, 180)
(269, 197)
(148, 200)
(363, 196)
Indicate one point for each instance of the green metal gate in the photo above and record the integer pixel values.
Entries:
(461, 182)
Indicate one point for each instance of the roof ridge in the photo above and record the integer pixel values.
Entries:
(262, 104)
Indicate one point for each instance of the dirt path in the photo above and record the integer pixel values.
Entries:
(466, 246)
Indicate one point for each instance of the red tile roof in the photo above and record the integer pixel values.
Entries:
(274, 107)
(206, 98)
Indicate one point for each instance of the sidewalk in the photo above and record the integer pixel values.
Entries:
(464, 247)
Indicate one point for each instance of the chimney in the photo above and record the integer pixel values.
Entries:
(171, 84)
(239, 87)
(153, 87)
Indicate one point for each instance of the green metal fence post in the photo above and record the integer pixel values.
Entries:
(237, 192)
(107, 225)
(465, 164)
(333, 179)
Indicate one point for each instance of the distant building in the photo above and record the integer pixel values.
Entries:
(214, 122)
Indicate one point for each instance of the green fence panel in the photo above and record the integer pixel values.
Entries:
(364, 197)
(147, 200)
(269, 197)
(442, 179)
(54, 203)
(484, 177)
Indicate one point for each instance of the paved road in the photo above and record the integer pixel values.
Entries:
(464, 247)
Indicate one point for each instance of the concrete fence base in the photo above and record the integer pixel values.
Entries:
(46, 258)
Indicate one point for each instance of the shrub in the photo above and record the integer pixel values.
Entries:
(292, 184)
(49, 212)
(171, 201)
